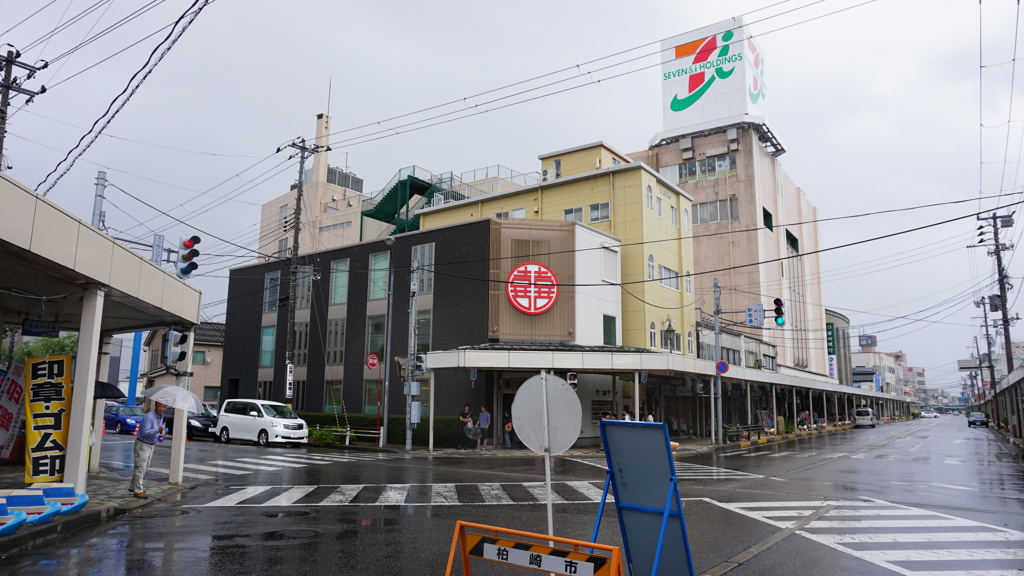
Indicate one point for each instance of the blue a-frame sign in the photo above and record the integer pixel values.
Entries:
(642, 477)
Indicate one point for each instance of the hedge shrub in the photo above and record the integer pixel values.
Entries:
(446, 428)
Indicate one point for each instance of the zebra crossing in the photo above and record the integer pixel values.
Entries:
(906, 540)
(452, 494)
(686, 471)
(271, 463)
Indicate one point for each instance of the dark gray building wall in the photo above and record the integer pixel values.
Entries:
(459, 318)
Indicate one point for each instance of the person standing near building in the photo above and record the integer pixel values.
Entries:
(506, 424)
(151, 431)
(484, 423)
(465, 419)
(625, 415)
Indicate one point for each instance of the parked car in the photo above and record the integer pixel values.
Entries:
(202, 424)
(260, 421)
(977, 419)
(929, 414)
(863, 417)
(211, 407)
(122, 419)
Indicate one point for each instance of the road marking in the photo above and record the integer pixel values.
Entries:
(953, 461)
(954, 487)
(443, 494)
(218, 469)
(494, 494)
(289, 497)
(540, 492)
(243, 494)
(341, 495)
(241, 465)
(276, 463)
(186, 474)
(752, 454)
(590, 491)
(394, 494)
(777, 454)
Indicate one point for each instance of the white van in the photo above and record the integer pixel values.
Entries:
(863, 417)
(260, 421)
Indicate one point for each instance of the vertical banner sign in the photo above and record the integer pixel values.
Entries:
(12, 389)
(830, 338)
(47, 417)
(157, 256)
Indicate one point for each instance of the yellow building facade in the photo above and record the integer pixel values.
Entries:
(597, 186)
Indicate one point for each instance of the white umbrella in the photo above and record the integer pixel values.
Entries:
(174, 397)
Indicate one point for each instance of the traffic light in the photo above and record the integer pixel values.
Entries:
(174, 347)
(187, 254)
(780, 312)
(420, 364)
(571, 379)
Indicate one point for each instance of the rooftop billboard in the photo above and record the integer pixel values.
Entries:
(711, 77)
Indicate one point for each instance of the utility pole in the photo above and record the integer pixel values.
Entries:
(717, 390)
(997, 250)
(988, 341)
(98, 215)
(304, 151)
(13, 84)
(410, 365)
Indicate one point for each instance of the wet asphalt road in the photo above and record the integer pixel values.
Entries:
(922, 497)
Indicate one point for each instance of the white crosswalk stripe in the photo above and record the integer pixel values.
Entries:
(185, 474)
(906, 540)
(411, 494)
(272, 462)
(685, 471)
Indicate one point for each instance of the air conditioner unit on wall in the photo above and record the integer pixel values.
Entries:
(544, 175)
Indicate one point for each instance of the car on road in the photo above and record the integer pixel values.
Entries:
(211, 407)
(929, 414)
(977, 419)
(864, 417)
(122, 419)
(260, 421)
(200, 424)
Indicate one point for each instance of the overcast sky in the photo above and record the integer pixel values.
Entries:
(877, 103)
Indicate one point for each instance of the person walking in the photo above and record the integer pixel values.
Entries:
(625, 415)
(465, 419)
(151, 431)
(484, 423)
(506, 424)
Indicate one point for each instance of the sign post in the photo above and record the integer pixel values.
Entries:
(373, 362)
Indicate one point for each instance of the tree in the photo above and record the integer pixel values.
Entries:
(66, 344)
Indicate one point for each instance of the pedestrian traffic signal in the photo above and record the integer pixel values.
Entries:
(420, 364)
(187, 254)
(572, 380)
(174, 347)
(780, 312)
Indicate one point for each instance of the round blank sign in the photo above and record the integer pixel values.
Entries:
(564, 414)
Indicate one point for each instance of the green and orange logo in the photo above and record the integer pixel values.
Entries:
(756, 89)
(711, 61)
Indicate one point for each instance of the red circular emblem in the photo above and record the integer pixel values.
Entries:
(532, 288)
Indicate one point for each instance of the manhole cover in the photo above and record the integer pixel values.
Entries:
(298, 534)
(287, 514)
(157, 513)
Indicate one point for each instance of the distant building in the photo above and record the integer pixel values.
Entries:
(207, 361)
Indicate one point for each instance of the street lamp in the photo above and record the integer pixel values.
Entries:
(389, 242)
(670, 335)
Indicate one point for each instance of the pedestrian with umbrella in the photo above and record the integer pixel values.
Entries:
(151, 431)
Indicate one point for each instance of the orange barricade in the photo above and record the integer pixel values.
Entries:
(578, 558)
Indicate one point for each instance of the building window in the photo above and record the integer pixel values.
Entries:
(650, 267)
(271, 291)
(339, 281)
(199, 357)
(334, 347)
(600, 212)
(379, 266)
(332, 396)
(792, 242)
(303, 287)
(686, 219)
(263, 389)
(573, 214)
(674, 215)
(653, 335)
(282, 215)
(338, 226)
(668, 278)
(299, 395)
(671, 341)
(689, 343)
(375, 327)
(282, 248)
(301, 344)
(650, 198)
(659, 207)
(689, 283)
(717, 167)
(609, 264)
(211, 395)
(558, 167)
(423, 321)
(517, 214)
(609, 331)
(716, 211)
(767, 217)
(154, 357)
(423, 254)
(267, 340)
